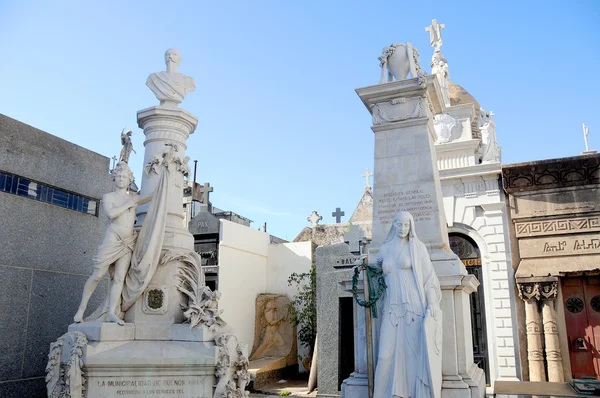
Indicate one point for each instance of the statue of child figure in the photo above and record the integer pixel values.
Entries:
(117, 247)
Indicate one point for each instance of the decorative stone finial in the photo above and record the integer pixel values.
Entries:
(586, 132)
(171, 87)
(439, 64)
(314, 219)
(400, 59)
(435, 34)
(367, 176)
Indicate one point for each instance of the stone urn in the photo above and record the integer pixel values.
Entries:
(398, 61)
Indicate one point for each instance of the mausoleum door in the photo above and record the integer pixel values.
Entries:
(581, 298)
(469, 254)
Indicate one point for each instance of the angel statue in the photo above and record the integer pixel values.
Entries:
(127, 146)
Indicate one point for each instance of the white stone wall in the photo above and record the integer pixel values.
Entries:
(243, 257)
(250, 265)
(475, 207)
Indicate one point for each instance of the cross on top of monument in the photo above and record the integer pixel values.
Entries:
(367, 176)
(353, 237)
(314, 219)
(435, 34)
(205, 190)
(338, 213)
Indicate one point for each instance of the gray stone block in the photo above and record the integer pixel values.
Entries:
(31, 388)
(15, 285)
(54, 301)
(55, 239)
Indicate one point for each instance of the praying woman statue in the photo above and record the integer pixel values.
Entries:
(410, 305)
(115, 252)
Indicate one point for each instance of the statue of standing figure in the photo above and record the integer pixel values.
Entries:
(410, 324)
(117, 247)
(127, 146)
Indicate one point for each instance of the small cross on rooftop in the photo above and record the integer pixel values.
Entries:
(338, 213)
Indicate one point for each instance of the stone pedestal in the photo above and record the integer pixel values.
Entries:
(406, 178)
(115, 364)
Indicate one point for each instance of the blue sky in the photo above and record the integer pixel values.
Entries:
(281, 131)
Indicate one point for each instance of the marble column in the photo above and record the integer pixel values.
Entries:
(406, 178)
(167, 128)
(549, 292)
(530, 293)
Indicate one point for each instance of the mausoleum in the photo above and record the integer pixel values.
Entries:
(554, 208)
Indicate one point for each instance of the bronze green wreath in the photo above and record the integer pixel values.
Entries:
(376, 286)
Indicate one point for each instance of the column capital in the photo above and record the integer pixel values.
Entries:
(538, 290)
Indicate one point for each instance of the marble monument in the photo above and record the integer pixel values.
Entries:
(407, 179)
(410, 331)
(160, 331)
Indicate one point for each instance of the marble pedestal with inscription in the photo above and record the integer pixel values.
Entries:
(406, 178)
(115, 364)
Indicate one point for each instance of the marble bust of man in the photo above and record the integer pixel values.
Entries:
(171, 87)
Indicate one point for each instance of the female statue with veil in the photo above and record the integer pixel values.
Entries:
(411, 301)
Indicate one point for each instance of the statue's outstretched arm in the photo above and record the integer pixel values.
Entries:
(144, 199)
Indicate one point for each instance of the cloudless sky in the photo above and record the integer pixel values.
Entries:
(281, 131)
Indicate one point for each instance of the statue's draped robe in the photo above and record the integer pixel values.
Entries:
(148, 245)
(146, 252)
(402, 368)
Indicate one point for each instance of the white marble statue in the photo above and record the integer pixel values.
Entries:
(127, 146)
(491, 151)
(171, 87)
(118, 244)
(410, 318)
(443, 125)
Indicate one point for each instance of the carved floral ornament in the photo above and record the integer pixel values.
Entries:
(169, 160)
(399, 109)
(538, 290)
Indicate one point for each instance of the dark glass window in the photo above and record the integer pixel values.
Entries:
(11, 183)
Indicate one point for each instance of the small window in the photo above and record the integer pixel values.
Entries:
(20, 186)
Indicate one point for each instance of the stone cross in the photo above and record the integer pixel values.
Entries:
(586, 131)
(435, 34)
(353, 237)
(338, 213)
(205, 191)
(367, 176)
(314, 219)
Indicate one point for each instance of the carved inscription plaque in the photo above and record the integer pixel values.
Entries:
(569, 245)
(417, 201)
(151, 386)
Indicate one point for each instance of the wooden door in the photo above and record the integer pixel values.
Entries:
(581, 299)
